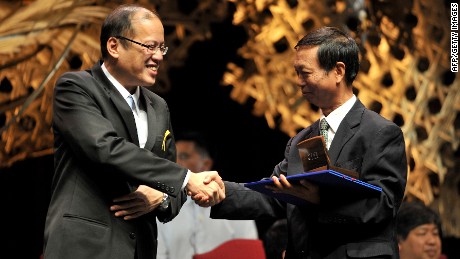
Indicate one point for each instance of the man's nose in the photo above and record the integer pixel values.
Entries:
(432, 238)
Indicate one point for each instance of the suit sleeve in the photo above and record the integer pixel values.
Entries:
(244, 203)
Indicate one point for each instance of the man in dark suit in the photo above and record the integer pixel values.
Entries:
(333, 224)
(115, 169)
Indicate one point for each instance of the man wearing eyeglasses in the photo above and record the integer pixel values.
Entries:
(115, 170)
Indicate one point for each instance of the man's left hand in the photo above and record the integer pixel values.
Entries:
(304, 190)
(135, 204)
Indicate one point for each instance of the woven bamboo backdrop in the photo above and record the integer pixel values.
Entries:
(405, 71)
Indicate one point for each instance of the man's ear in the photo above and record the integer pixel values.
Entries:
(340, 71)
(113, 46)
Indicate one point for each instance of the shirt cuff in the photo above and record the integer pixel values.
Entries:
(186, 180)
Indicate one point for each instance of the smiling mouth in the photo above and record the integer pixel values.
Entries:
(153, 67)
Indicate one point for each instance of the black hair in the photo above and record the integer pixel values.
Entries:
(334, 46)
(118, 23)
(412, 215)
(200, 141)
(275, 239)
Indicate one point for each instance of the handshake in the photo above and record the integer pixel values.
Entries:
(206, 188)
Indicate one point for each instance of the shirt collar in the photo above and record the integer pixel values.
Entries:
(336, 116)
(121, 88)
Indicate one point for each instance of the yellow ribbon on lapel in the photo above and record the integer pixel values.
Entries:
(163, 146)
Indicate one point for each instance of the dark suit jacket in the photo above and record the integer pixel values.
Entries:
(98, 158)
(343, 224)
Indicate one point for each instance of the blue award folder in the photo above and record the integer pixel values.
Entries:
(318, 169)
(335, 181)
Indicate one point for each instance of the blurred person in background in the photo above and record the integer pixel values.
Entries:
(419, 232)
(193, 231)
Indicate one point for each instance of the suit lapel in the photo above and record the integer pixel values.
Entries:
(295, 163)
(118, 101)
(314, 130)
(346, 130)
(151, 118)
(127, 115)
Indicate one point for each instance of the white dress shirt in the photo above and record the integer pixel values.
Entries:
(335, 118)
(194, 232)
(140, 116)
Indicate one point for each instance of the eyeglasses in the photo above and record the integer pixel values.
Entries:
(153, 48)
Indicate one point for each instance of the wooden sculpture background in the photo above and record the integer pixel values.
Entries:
(405, 73)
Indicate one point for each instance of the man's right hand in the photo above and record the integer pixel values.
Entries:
(210, 191)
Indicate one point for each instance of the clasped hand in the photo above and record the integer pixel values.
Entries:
(304, 190)
(135, 204)
(206, 188)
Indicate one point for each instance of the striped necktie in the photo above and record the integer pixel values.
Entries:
(324, 126)
(131, 103)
